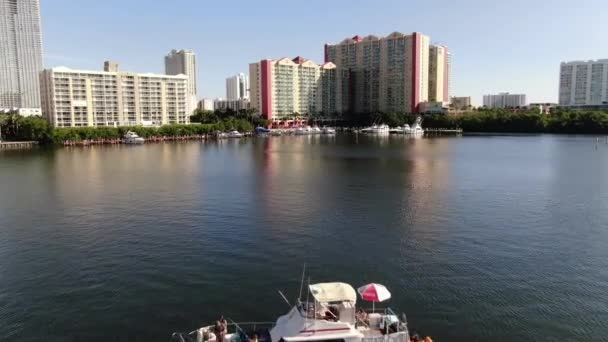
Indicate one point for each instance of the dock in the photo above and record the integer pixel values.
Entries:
(440, 131)
(13, 145)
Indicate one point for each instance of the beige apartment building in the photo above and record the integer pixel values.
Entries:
(382, 74)
(283, 87)
(439, 74)
(82, 98)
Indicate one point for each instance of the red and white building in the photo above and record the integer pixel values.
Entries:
(385, 74)
(283, 88)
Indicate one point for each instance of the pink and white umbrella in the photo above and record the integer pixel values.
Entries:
(374, 293)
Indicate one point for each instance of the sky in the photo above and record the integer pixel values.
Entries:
(497, 46)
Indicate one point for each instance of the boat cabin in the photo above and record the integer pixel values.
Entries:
(333, 317)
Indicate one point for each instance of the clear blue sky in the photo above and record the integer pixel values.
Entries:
(497, 46)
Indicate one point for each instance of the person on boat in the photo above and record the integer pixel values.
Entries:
(361, 316)
(221, 327)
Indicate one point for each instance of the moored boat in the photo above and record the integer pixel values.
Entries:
(262, 130)
(332, 315)
(132, 138)
(304, 130)
(376, 129)
(234, 134)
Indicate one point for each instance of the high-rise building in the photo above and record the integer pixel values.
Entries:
(439, 74)
(504, 100)
(81, 98)
(281, 88)
(237, 87)
(583, 83)
(381, 74)
(20, 54)
(184, 62)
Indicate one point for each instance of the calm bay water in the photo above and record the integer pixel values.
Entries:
(491, 238)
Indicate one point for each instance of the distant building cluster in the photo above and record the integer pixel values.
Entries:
(461, 102)
(400, 73)
(360, 74)
(234, 105)
(504, 100)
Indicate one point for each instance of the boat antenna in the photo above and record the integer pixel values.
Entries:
(308, 292)
(284, 298)
(302, 282)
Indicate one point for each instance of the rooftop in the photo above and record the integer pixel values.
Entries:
(101, 72)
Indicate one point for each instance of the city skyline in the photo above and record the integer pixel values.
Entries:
(500, 49)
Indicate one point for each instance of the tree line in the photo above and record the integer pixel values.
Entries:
(14, 127)
(503, 121)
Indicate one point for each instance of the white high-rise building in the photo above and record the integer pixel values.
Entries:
(504, 100)
(184, 62)
(20, 54)
(237, 87)
(583, 83)
(82, 98)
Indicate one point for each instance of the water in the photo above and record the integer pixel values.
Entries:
(488, 238)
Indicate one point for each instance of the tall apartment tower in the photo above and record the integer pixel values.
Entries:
(20, 54)
(439, 74)
(382, 74)
(237, 87)
(583, 83)
(184, 62)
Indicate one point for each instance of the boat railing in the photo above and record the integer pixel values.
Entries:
(401, 325)
(242, 326)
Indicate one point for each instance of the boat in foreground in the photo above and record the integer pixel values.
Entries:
(132, 138)
(331, 316)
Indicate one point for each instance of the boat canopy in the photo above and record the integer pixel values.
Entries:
(333, 292)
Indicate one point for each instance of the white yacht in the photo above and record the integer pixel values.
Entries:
(332, 315)
(316, 130)
(234, 134)
(401, 130)
(376, 129)
(328, 130)
(132, 138)
(416, 127)
(304, 130)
